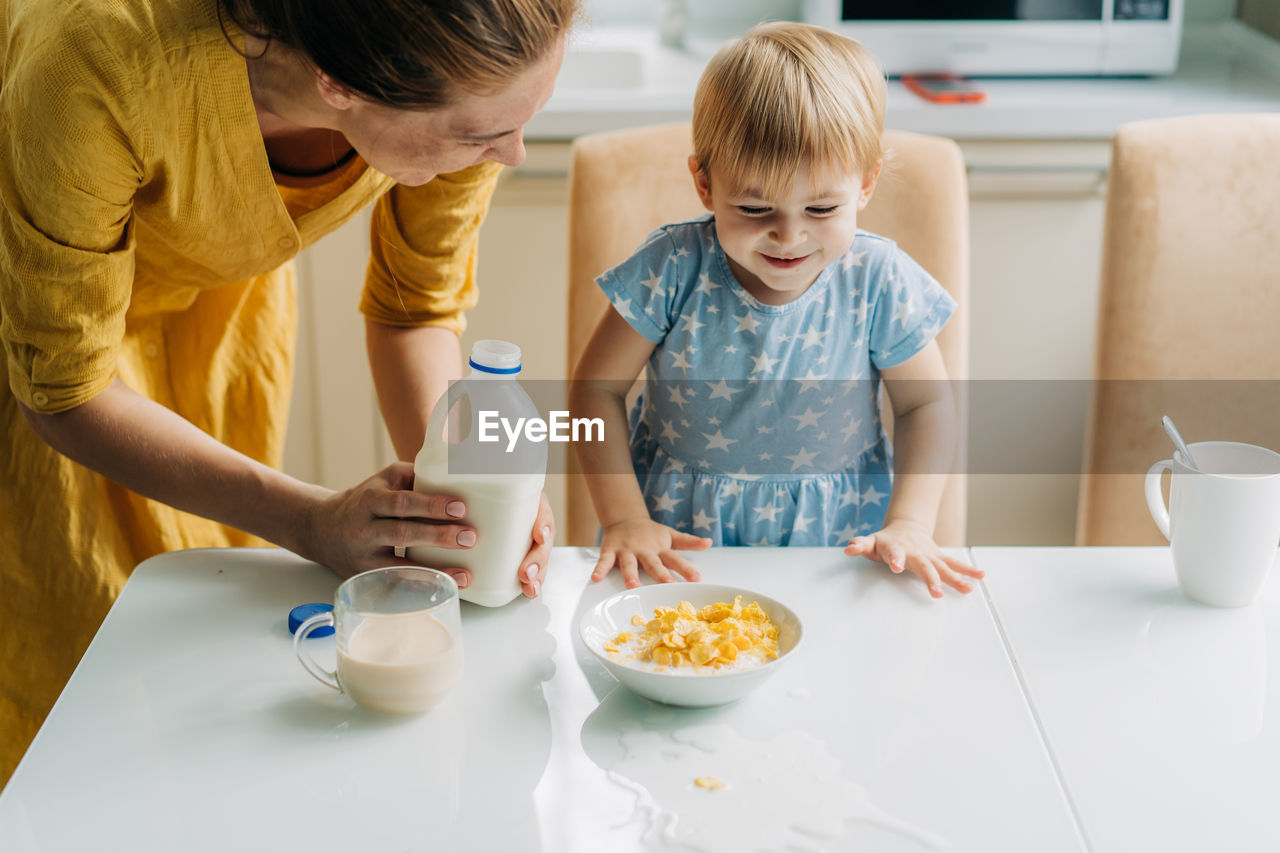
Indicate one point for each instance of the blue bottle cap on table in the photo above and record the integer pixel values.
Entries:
(303, 612)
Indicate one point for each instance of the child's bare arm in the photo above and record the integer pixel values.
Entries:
(924, 436)
(924, 445)
(614, 357)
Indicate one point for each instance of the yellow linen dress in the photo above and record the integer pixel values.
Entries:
(143, 236)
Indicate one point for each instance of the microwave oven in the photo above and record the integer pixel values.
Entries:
(1011, 37)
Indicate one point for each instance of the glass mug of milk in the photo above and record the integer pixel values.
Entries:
(1223, 519)
(399, 639)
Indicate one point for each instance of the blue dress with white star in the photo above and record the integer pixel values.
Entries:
(760, 424)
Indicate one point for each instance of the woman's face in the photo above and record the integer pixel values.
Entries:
(413, 146)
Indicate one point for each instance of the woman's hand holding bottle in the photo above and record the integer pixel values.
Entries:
(533, 568)
(359, 528)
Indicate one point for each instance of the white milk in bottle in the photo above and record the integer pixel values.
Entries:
(501, 484)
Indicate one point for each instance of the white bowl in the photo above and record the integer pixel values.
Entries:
(687, 687)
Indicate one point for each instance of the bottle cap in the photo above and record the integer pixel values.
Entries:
(303, 612)
(495, 357)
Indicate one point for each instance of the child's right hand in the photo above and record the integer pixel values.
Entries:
(642, 542)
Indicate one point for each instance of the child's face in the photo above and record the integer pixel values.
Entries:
(776, 247)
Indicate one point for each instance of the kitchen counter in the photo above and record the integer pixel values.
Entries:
(615, 78)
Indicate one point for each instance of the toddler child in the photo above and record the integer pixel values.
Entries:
(767, 326)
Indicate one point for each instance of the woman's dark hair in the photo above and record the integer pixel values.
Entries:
(411, 53)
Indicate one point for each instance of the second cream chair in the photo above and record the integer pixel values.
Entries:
(623, 184)
(1188, 309)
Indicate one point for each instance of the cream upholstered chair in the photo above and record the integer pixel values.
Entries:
(624, 184)
(1189, 291)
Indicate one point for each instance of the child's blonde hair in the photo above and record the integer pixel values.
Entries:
(786, 94)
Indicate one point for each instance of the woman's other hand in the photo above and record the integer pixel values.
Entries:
(533, 568)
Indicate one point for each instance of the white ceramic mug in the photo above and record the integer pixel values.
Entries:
(1223, 519)
(399, 639)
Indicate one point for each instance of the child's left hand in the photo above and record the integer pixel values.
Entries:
(907, 545)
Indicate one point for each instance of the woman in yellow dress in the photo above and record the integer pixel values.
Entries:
(161, 162)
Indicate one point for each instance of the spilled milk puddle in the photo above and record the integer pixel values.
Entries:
(707, 788)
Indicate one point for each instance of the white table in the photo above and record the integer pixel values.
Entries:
(189, 726)
(1159, 710)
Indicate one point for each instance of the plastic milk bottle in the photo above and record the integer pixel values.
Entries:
(493, 467)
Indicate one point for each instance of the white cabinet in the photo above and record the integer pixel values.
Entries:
(1036, 221)
(334, 421)
(1036, 218)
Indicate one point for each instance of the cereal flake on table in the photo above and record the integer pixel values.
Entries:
(718, 636)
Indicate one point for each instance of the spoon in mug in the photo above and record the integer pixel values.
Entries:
(1176, 437)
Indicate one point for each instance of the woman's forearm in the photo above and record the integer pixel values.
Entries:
(150, 450)
(412, 368)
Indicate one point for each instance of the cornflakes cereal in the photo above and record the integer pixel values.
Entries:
(716, 636)
(710, 783)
